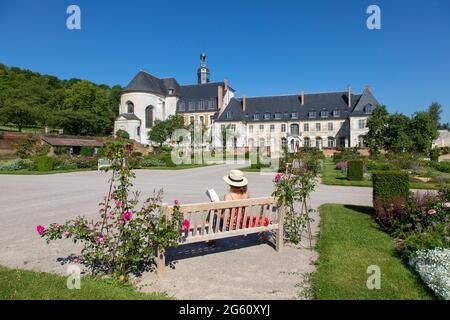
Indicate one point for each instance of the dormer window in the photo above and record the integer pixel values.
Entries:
(311, 114)
(277, 116)
(336, 113)
(201, 105)
(228, 114)
(368, 109)
(171, 91)
(266, 116)
(256, 116)
(191, 105)
(294, 115)
(323, 114)
(130, 107)
(181, 106)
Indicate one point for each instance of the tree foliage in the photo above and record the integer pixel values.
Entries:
(30, 99)
(399, 133)
(162, 130)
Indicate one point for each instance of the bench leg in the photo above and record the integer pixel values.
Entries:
(279, 240)
(160, 263)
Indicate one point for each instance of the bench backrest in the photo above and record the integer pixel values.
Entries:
(215, 220)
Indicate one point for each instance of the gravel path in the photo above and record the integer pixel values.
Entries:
(241, 268)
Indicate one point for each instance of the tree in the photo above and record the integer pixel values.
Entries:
(397, 135)
(434, 111)
(376, 137)
(423, 131)
(17, 113)
(159, 132)
(80, 123)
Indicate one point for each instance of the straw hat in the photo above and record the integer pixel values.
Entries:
(236, 178)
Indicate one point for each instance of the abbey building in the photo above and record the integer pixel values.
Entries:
(322, 120)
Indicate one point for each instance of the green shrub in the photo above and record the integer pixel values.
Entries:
(388, 185)
(443, 166)
(355, 170)
(27, 148)
(85, 163)
(86, 151)
(382, 166)
(122, 134)
(44, 163)
(434, 155)
(17, 164)
(427, 240)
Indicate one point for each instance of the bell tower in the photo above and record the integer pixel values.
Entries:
(203, 71)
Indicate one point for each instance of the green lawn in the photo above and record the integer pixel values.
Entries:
(28, 285)
(332, 176)
(349, 242)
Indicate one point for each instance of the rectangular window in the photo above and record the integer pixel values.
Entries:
(323, 114)
(202, 119)
(336, 113)
(250, 128)
(261, 127)
(286, 115)
(272, 128)
(201, 105)
(191, 105)
(266, 116)
(277, 116)
(191, 119)
(294, 115)
(330, 126)
(256, 116)
(233, 127)
(182, 106)
(361, 124)
(306, 127)
(211, 119)
(283, 128)
(318, 126)
(311, 114)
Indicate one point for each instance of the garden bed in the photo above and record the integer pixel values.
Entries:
(333, 176)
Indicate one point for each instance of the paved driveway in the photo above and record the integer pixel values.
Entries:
(251, 270)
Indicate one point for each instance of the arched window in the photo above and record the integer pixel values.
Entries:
(319, 142)
(306, 142)
(330, 142)
(295, 129)
(292, 145)
(149, 117)
(130, 107)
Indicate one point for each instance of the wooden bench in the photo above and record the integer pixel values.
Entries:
(225, 219)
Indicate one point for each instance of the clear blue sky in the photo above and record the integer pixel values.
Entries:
(263, 47)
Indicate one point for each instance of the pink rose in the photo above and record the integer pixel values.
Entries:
(118, 203)
(67, 233)
(40, 229)
(431, 212)
(127, 215)
(101, 239)
(278, 177)
(176, 202)
(111, 215)
(186, 225)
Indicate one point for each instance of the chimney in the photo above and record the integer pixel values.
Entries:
(225, 83)
(244, 103)
(369, 88)
(349, 95)
(302, 97)
(219, 98)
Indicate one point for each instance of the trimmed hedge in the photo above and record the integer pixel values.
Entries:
(388, 185)
(45, 163)
(355, 170)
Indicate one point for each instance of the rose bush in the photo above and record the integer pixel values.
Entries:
(125, 239)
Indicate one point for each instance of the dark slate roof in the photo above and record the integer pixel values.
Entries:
(288, 104)
(367, 100)
(200, 91)
(71, 141)
(145, 82)
(129, 116)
